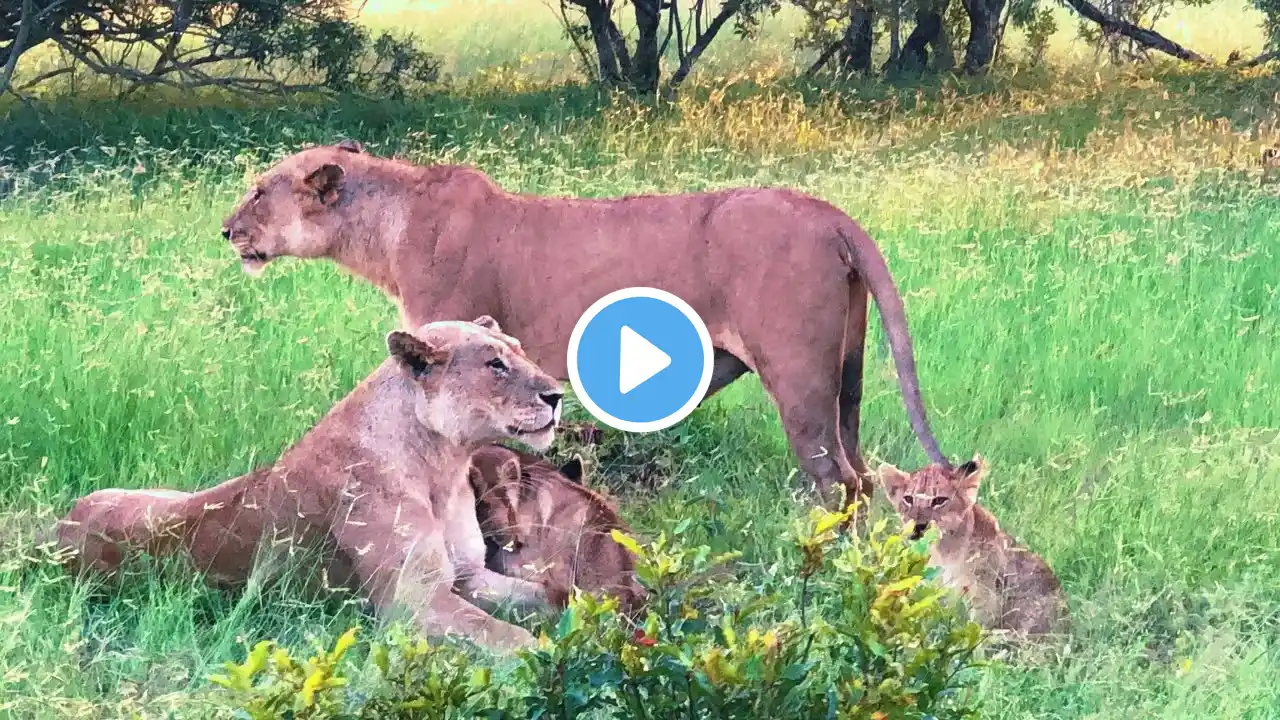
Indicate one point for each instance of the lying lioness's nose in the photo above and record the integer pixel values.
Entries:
(552, 398)
(226, 233)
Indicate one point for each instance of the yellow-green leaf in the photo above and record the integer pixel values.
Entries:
(625, 541)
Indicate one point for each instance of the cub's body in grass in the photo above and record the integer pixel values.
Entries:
(542, 525)
(780, 278)
(1008, 586)
(380, 483)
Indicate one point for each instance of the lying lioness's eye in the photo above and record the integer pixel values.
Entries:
(497, 364)
(907, 500)
(940, 501)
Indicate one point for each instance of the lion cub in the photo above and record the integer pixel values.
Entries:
(543, 525)
(1007, 586)
(1270, 165)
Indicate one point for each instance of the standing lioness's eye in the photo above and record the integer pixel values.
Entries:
(497, 364)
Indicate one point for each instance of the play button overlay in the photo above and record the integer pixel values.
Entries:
(640, 359)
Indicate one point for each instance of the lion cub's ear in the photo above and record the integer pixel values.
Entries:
(969, 477)
(476, 479)
(509, 471)
(351, 146)
(326, 182)
(891, 478)
(414, 354)
(488, 323)
(573, 469)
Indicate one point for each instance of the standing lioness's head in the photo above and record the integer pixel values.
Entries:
(478, 386)
(289, 209)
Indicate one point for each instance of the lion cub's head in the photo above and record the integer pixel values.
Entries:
(478, 386)
(496, 478)
(288, 211)
(933, 495)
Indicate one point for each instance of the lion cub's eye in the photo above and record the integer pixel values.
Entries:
(497, 365)
(940, 501)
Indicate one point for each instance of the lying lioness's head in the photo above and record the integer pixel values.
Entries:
(288, 211)
(479, 386)
(933, 495)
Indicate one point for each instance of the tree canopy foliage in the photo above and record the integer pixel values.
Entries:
(274, 45)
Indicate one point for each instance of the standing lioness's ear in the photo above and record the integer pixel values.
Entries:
(327, 182)
(418, 356)
(351, 146)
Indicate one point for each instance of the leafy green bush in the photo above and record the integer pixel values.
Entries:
(845, 627)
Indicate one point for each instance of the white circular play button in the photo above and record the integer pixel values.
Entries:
(640, 359)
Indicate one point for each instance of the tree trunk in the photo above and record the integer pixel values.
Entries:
(895, 30)
(944, 55)
(645, 69)
(984, 28)
(599, 21)
(855, 51)
(915, 53)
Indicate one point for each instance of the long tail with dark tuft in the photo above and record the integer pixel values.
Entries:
(869, 263)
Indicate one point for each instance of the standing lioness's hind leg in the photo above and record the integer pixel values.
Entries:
(851, 371)
(803, 380)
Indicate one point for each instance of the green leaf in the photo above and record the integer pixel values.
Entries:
(625, 541)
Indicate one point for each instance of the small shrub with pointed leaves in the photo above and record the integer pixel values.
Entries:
(843, 627)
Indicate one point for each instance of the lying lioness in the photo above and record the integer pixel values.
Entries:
(381, 482)
(541, 524)
(780, 278)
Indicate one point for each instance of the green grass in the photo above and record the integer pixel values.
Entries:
(1089, 268)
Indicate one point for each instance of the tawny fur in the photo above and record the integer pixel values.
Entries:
(1007, 586)
(1270, 165)
(781, 278)
(380, 485)
(541, 524)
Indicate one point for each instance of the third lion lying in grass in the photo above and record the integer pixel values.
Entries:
(542, 525)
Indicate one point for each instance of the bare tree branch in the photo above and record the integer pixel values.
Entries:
(727, 10)
(1142, 36)
(824, 58)
(1262, 59)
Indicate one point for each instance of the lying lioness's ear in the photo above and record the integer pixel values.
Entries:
(414, 354)
(351, 146)
(488, 323)
(573, 469)
(327, 182)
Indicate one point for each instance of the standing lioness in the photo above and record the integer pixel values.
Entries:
(381, 482)
(780, 277)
